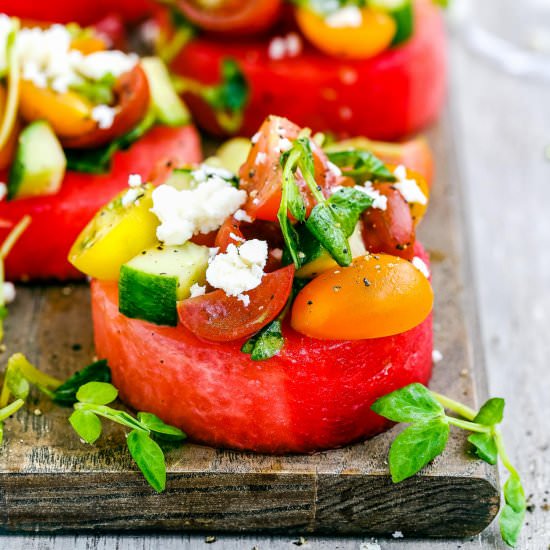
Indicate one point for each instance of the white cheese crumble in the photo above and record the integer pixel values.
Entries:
(241, 216)
(3, 191)
(236, 237)
(104, 116)
(261, 157)
(134, 180)
(285, 46)
(437, 356)
(348, 16)
(8, 290)
(255, 137)
(244, 298)
(284, 145)
(97, 64)
(334, 169)
(408, 187)
(130, 196)
(421, 266)
(239, 269)
(197, 290)
(188, 212)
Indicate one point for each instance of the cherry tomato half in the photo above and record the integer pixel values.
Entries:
(229, 233)
(261, 173)
(372, 36)
(390, 230)
(221, 318)
(231, 16)
(378, 295)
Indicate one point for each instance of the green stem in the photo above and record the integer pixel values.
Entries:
(11, 409)
(499, 442)
(455, 406)
(120, 417)
(470, 426)
(313, 185)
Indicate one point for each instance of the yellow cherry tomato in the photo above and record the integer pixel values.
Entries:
(378, 295)
(68, 113)
(116, 234)
(7, 152)
(88, 43)
(371, 37)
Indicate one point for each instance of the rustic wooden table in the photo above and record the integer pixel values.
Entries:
(502, 127)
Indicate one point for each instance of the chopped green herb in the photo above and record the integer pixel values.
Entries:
(427, 435)
(266, 343)
(97, 91)
(357, 163)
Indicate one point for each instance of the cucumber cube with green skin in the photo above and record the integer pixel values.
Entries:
(166, 103)
(39, 164)
(151, 283)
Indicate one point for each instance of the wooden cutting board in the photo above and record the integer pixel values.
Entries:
(50, 481)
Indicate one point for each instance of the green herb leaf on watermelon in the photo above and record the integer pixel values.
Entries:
(360, 164)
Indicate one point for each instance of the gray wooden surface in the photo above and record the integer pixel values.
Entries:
(503, 129)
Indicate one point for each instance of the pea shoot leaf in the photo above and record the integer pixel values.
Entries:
(417, 445)
(266, 343)
(17, 384)
(361, 164)
(95, 372)
(412, 403)
(491, 412)
(484, 447)
(97, 393)
(149, 458)
(86, 424)
(512, 515)
(156, 425)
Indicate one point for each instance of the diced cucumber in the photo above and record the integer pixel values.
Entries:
(319, 260)
(39, 164)
(118, 232)
(168, 105)
(403, 14)
(233, 153)
(153, 282)
(181, 178)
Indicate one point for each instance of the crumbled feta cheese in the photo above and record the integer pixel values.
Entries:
(293, 44)
(8, 290)
(3, 191)
(239, 269)
(348, 16)
(104, 115)
(244, 298)
(191, 211)
(421, 266)
(277, 48)
(197, 290)
(97, 64)
(261, 157)
(334, 169)
(255, 137)
(213, 251)
(134, 180)
(284, 145)
(397, 535)
(285, 46)
(206, 171)
(408, 187)
(130, 196)
(241, 216)
(437, 356)
(236, 238)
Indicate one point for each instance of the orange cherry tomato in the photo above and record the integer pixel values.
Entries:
(261, 174)
(378, 295)
(390, 230)
(7, 152)
(220, 318)
(417, 210)
(132, 92)
(88, 43)
(371, 37)
(231, 16)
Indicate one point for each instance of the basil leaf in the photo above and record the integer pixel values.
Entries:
(417, 445)
(348, 203)
(233, 91)
(86, 424)
(95, 372)
(409, 404)
(512, 515)
(149, 458)
(97, 393)
(491, 412)
(266, 343)
(325, 226)
(17, 384)
(155, 424)
(357, 163)
(485, 447)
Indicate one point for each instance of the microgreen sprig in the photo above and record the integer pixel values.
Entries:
(93, 399)
(427, 436)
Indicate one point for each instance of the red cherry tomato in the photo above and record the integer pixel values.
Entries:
(391, 230)
(261, 173)
(221, 318)
(232, 16)
(132, 93)
(229, 233)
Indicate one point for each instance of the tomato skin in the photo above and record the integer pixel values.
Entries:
(84, 12)
(227, 233)
(262, 180)
(132, 92)
(391, 230)
(58, 219)
(234, 17)
(220, 318)
(408, 95)
(314, 395)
